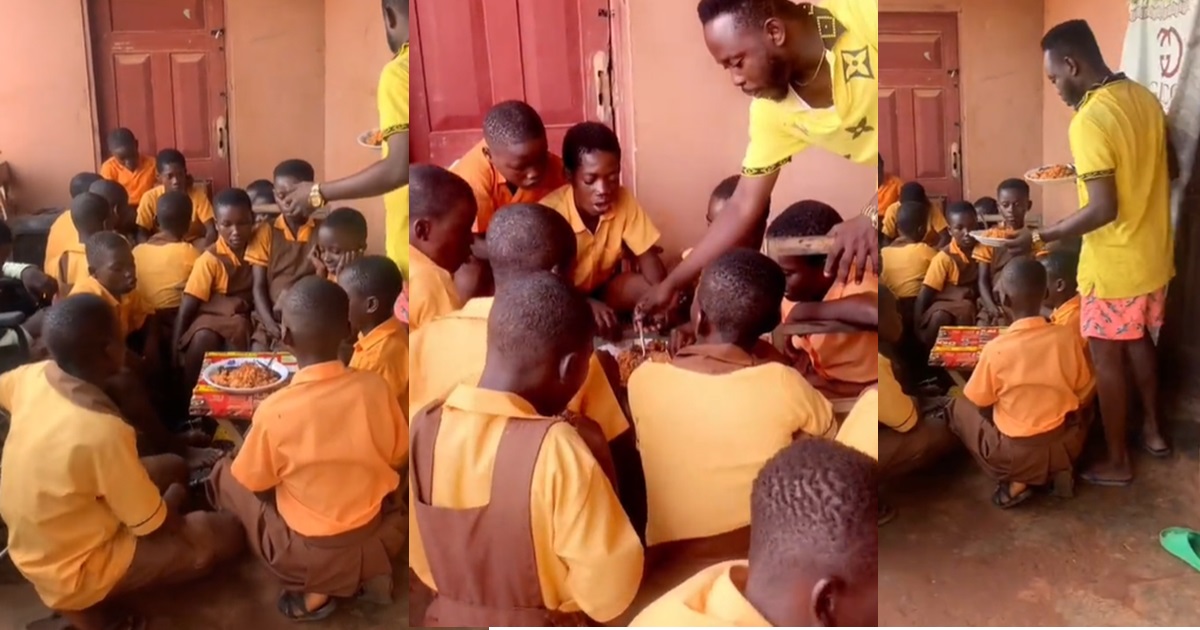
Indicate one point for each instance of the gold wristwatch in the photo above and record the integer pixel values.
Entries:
(315, 198)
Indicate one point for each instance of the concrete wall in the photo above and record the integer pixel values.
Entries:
(688, 126)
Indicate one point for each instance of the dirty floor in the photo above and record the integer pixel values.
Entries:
(952, 559)
(241, 597)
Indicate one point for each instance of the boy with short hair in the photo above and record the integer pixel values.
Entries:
(126, 165)
(533, 523)
(1062, 294)
(98, 528)
(950, 287)
(165, 261)
(62, 232)
(607, 221)
(373, 283)
(840, 364)
(262, 193)
(112, 275)
(440, 217)
(1036, 381)
(280, 254)
(91, 214)
(716, 204)
(935, 224)
(214, 311)
(984, 208)
(341, 239)
(697, 504)
(327, 450)
(1012, 197)
(173, 175)
(906, 259)
(124, 217)
(813, 561)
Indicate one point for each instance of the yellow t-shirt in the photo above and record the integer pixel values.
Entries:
(781, 129)
(74, 494)
(393, 119)
(1119, 131)
(599, 252)
(904, 268)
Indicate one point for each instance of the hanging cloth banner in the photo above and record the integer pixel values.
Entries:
(1159, 42)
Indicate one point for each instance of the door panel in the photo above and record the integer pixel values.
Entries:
(470, 54)
(919, 117)
(160, 71)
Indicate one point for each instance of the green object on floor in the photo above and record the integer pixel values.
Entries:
(1183, 543)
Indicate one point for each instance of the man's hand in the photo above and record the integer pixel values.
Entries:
(855, 247)
(1021, 243)
(41, 286)
(297, 202)
(606, 319)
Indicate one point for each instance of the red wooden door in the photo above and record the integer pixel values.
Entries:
(920, 124)
(160, 71)
(471, 54)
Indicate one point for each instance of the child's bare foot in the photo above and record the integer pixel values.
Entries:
(305, 606)
(1011, 494)
(1153, 441)
(1108, 474)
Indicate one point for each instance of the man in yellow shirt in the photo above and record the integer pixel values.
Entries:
(389, 176)
(1124, 164)
(812, 69)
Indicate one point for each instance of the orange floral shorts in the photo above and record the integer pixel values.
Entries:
(1123, 319)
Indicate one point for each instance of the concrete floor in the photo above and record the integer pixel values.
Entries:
(240, 597)
(952, 559)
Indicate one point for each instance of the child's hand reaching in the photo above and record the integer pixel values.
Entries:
(318, 262)
(682, 336)
(346, 259)
(606, 319)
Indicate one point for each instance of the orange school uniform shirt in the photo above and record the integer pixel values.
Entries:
(330, 444)
(163, 269)
(1068, 315)
(384, 351)
(137, 182)
(885, 405)
(202, 209)
(711, 598)
(944, 268)
(699, 458)
(588, 556)
(888, 192)
(62, 235)
(70, 266)
(431, 290)
(451, 351)
(258, 251)
(131, 310)
(598, 253)
(905, 267)
(493, 192)
(845, 357)
(208, 275)
(74, 494)
(1033, 374)
(933, 227)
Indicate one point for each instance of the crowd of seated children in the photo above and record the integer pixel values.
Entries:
(441, 212)
(1024, 412)
(81, 553)
(813, 556)
(280, 254)
(950, 287)
(341, 239)
(511, 164)
(62, 232)
(525, 240)
(531, 532)
(697, 508)
(373, 283)
(217, 300)
(316, 483)
(90, 214)
(1012, 198)
(126, 166)
(173, 175)
(607, 221)
(936, 233)
(839, 365)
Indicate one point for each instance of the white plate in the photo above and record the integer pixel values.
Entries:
(1029, 175)
(363, 140)
(228, 364)
(990, 241)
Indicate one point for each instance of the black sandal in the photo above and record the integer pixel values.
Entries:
(1003, 500)
(291, 605)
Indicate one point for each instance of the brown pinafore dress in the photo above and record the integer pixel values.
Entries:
(289, 262)
(483, 561)
(227, 314)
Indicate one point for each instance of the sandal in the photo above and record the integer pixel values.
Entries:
(291, 605)
(1160, 453)
(1095, 480)
(1182, 543)
(1003, 500)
